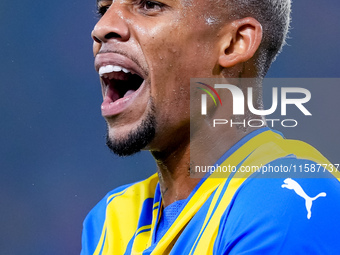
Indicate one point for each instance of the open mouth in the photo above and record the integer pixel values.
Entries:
(119, 82)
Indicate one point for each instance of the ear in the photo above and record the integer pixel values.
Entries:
(240, 43)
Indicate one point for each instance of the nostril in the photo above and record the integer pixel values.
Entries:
(96, 39)
(112, 35)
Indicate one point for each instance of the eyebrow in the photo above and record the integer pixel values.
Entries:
(98, 1)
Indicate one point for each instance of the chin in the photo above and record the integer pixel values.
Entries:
(130, 142)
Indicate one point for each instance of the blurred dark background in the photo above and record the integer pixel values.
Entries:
(54, 165)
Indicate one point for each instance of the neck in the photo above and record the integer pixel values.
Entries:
(198, 145)
(176, 169)
(173, 166)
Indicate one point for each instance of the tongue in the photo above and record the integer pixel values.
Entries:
(129, 92)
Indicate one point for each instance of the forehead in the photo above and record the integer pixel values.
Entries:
(212, 10)
(184, 1)
(210, 4)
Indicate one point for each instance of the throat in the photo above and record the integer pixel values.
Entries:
(126, 87)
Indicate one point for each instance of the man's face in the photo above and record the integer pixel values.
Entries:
(146, 52)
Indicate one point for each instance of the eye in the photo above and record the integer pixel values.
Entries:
(151, 6)
(101, 10)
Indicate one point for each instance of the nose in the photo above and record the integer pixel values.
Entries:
(112, 26)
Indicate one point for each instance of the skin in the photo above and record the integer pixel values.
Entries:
(174, 42)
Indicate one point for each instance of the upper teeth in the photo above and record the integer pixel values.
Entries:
(111, 68)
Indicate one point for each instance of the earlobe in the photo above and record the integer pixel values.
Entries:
(245, 36)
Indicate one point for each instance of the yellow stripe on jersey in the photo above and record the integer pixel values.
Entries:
(124, 208)
(264, 154)
(122, 215)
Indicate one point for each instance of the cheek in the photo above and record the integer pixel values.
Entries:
(175, 53)
(173, 59)
(96, 48)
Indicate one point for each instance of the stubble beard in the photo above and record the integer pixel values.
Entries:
(137, 139)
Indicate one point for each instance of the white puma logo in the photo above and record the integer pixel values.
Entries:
(291, 184)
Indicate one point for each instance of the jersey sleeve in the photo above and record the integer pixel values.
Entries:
(93, 223)
(282, 216)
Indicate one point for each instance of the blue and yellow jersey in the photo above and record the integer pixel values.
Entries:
(236, 212)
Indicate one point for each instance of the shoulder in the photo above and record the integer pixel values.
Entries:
(117, 201)
(283, 215)
(97, 214)
(142, 189)
(94, 221)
